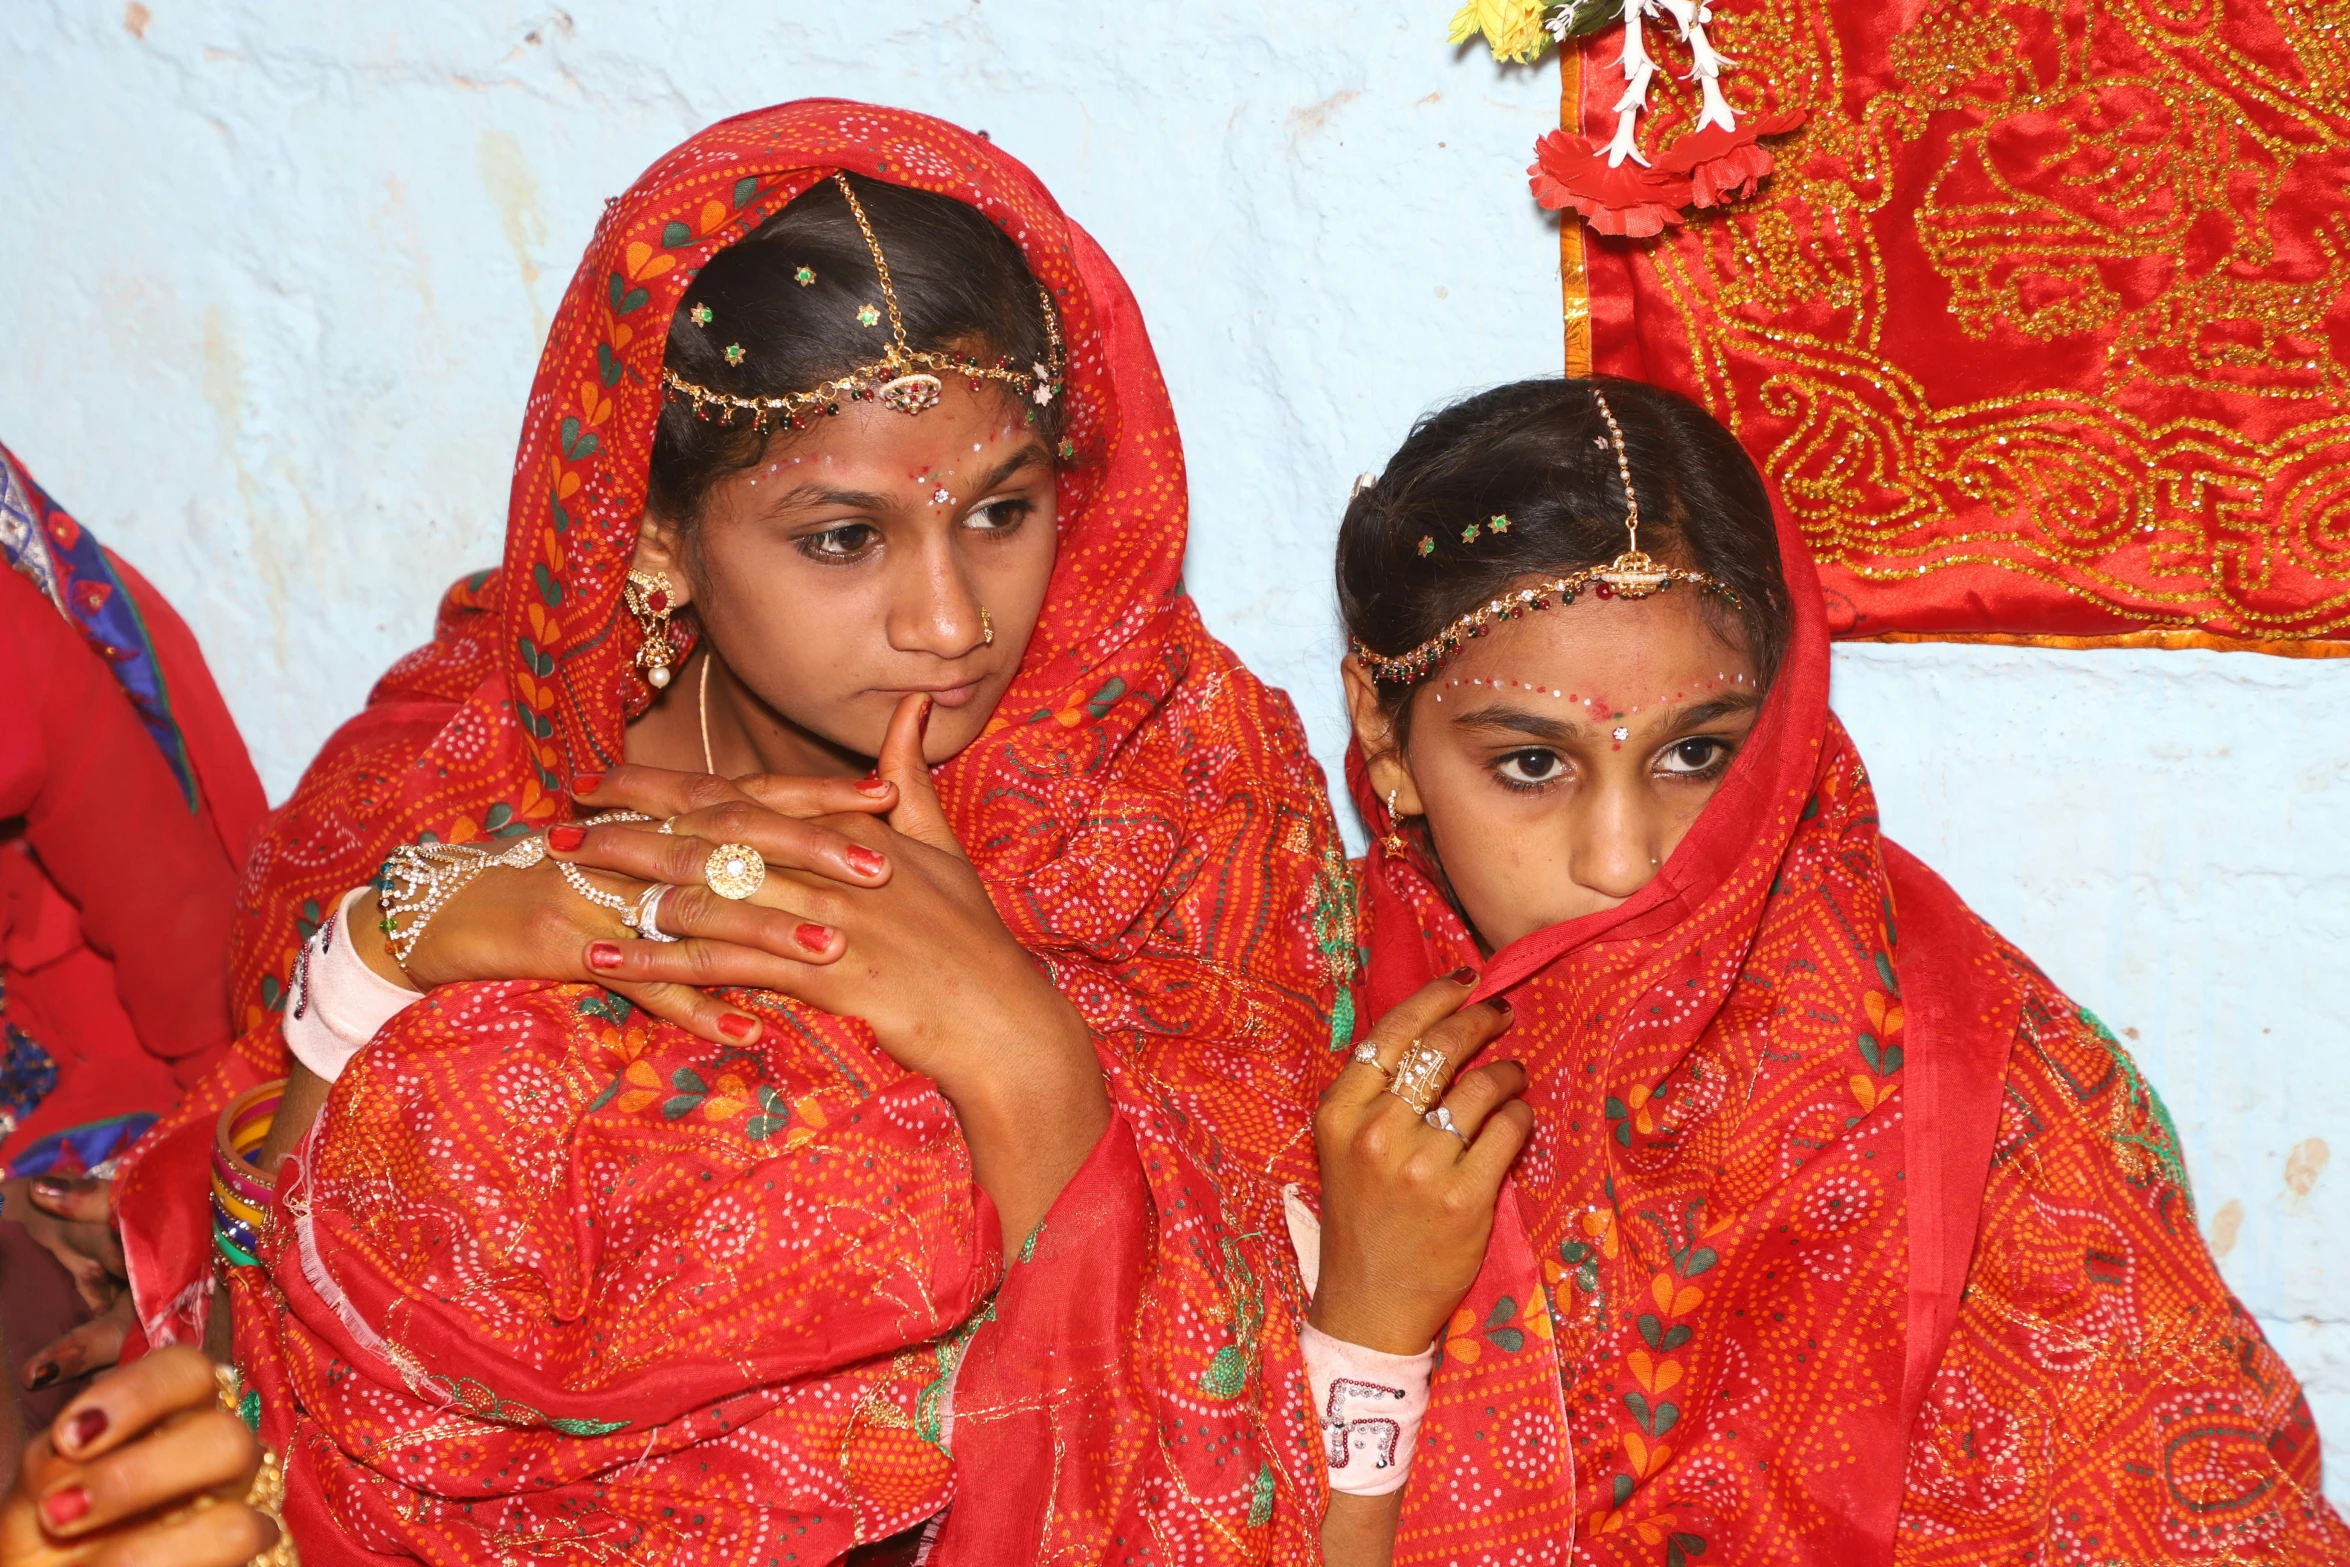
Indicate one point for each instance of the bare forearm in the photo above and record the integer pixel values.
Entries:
(1031, 1119)
(305, 1095)
(1359, 1531)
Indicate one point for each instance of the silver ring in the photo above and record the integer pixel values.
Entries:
(668, 825)
(1441, 1119)
(645, 919)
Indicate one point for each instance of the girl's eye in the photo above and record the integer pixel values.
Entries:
(999, 516)
(1694, 757)
(845, 542)
(1529, 769)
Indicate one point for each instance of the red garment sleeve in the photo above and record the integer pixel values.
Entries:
(150, 878)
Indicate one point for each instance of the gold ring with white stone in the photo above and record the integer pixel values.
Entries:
(1419, 1077)
(734, 871)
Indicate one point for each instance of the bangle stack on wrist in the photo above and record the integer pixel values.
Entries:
(240, 1193)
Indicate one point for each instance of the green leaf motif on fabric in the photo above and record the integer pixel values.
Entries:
(1498, 1332)
(1028, 1246)
(1228, 1369)
(2162, 1141)
(626, 300)
(1260, 1504)
(1100, 703)
(474, 1399)
(1336, 938)
(691, 1091)
(550, 591)
(604, 1004)
(1226, 1375)
(930, 1403)
(774, 1115)
(607, 365)
(674, 234)
(744, 189)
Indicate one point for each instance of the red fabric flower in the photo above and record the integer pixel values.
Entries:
(1720, 164)
(1628, 199)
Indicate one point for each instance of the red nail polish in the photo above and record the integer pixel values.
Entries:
(876, 787)
(65, 1507)
(813, 937)
(924, 730)
(43, 1374)
(586, 783)
(51, 1187)
(566, 837)
(735, 1026)
(84, 1428)
(603, 954)
(1464, 976)
(1502, 1005)
(863, 861)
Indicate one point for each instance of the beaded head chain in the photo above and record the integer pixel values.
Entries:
(904, 378)
(1631, 575)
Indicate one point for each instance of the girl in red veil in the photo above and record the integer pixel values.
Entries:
(556, 1277)
(1839, 1234)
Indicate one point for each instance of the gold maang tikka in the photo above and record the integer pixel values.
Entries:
(1633, 574)
(904, 378)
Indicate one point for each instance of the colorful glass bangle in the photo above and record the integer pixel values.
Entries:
(241, 1195)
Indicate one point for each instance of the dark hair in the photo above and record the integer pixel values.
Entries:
(961, 283)
(1538, 452)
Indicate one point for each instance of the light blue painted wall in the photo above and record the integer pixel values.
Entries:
(278, 275)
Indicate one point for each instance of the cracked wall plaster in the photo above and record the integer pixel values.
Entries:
(280, 274)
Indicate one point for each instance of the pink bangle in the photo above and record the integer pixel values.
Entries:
(1370, 1405)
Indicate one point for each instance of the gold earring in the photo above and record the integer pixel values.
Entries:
(986, 627)
(1393, 841)
(651, 600)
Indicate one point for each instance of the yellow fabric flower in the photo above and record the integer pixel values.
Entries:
(1512, 28)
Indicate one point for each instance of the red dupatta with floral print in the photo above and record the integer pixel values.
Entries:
(1776, 1277)
(561, 1280)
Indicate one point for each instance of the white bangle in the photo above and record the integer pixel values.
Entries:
(335, 1002)
(1369, 1405)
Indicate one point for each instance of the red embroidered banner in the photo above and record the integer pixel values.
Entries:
(2040, 327)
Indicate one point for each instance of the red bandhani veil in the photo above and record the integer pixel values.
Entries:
(562, 1280)
(1842, 1236)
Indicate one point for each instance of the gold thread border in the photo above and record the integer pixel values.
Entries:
(2275, 647)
